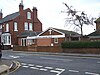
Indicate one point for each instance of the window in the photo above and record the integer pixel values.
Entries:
(55, 40)
(30, 26)
(15, 26)
(28, 15)
(30, 42)
(6, 39)
(7, 27)
(23, 42)
(26, 26)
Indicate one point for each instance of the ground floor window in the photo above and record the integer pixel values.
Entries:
(31, 41)
(6, 39)
(55, 40)
(23, 42)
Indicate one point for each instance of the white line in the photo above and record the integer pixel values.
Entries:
(49, 67)
(23, 63)
(34, 68)
(11, 65)
(25, 66)
(30, 64)
(73, 71)
(58, 72)
(54, 71)
(91, 73)
(38, 66)
(61, 71)
(42, 69)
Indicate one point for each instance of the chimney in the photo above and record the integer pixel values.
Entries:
(21, 6)
(1, 15)
(34, 13)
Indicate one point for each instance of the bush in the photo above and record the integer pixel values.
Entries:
(80, 44)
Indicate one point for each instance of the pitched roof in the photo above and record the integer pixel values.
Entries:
(98, 20)
(67, 32)
(9, 17)
(63, 32)
(28, 33)
(96, 33)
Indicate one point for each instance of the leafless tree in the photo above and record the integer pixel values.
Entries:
(77, 19)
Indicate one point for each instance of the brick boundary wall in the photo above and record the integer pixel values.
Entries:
(57, 49)
(38, 48)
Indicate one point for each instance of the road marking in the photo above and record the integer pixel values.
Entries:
(58, 72)
(34, 68)
(73, 71)
(91, 73)
(42, 69)
(54, 71)
(49, 67)
(23, 63)
(14, 56)
(25, 66)
(39, 66)
(30, 64)
(62, 70)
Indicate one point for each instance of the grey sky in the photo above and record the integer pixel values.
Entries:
(49, 11)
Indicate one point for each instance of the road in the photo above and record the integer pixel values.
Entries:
(37, 64)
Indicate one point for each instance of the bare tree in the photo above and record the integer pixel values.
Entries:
(77, 19)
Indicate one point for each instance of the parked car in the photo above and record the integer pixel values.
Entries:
(0, 51)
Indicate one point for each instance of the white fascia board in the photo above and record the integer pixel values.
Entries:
(52, 29)
(44, 31)
(32, 37)
(49, 36)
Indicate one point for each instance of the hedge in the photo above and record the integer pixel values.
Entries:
(80, 44)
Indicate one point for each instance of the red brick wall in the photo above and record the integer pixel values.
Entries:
(97, 25)
(37, 26)
(44, 42)
(38, 48)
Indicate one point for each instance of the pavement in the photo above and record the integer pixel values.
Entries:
(6, 64)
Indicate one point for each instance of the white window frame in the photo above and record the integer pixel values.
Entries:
(7, 27)
(15, 26)
(28, 15)
(6, 39)
(30, 41)
(30, 26)
(25, 26)
(55, 40)
(23, 42)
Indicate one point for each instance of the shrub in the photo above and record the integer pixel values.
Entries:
(80, 44)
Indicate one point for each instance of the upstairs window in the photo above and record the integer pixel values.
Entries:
(7, 27)
(15, 26)
(28, 15)
(30, 26)
(26, 26)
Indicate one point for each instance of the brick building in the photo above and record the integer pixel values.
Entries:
(95, 36)
(54, 37)
(19, 25)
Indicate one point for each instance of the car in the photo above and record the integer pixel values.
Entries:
(0, 51)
